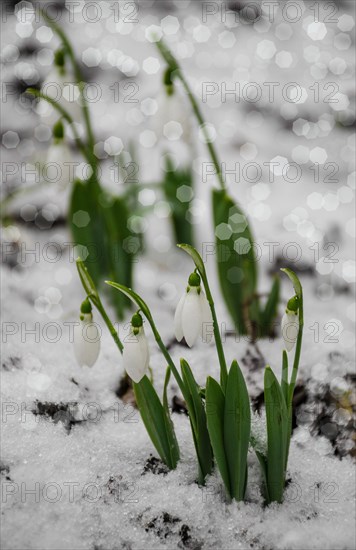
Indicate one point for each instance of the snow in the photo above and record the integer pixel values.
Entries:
(88, 460)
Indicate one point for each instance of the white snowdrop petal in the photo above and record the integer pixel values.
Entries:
(191, 317)
(86, 343)
(207, 320)
(58, 164)
(135, 356)
(290, 327)
(145, 353)
(178, 319)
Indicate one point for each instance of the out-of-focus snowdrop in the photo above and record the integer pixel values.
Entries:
(136, 352)
(86, 337)
(60, 86)
(193, 315)
(172, 123)
(290, 324)
(58, 163)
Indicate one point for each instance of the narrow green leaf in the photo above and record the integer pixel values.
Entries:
(284, 381)
(236, 262)
(103, 237)
(154, 419)
(199, 423)
(88, 227)
(215, 406)
(120, 260)
(174, 179)
(237, 428)
(269, 313)
(277, 423)
(171, 436)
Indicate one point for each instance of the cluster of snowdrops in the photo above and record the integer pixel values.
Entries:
(220, 412)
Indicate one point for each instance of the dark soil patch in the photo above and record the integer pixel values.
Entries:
(125, 391)
(11, 363)
(58, 412)
(300, 267)
(179, 405)
(166, 525)
(253, 359)
(155, 466)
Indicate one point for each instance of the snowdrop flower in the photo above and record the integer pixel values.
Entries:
(86, 337)
(173, 126)
(193, 314)
(290, 324)
(61, 87)
(59, 159)
(136, 353)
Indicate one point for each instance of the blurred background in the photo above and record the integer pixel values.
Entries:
(276, 84)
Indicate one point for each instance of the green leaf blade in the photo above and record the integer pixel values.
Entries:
(277, 425)
(89, 237)
(199, 423)
(237, 269)
(270, 310)
(215, 406)
(170, 432)
(154, 418)
(237, 429)
(174, 179)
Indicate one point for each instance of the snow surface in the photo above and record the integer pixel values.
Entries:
(86, 465)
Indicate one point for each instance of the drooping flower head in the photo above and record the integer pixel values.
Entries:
(136, 352)
(86, 337)
(193, 315)
(58, 164)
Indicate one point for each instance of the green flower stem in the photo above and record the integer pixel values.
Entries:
(78, 76)
(15, 193)
(109, 324)
(168, 358)
(298, 349)
(295, 365)
(217, 336)
(93, 295)
(177, 72)
(67, 118)
(289, 398)
(144, 309)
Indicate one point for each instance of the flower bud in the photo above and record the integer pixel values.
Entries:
(193, 315)
(136, 352)
(58, 130)
(86, 337)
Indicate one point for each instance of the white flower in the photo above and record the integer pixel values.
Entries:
(58, 164)
(86, 341)
(290, 328)
(193, 315)
(136, 352)
(173, 128)
(64, 91)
